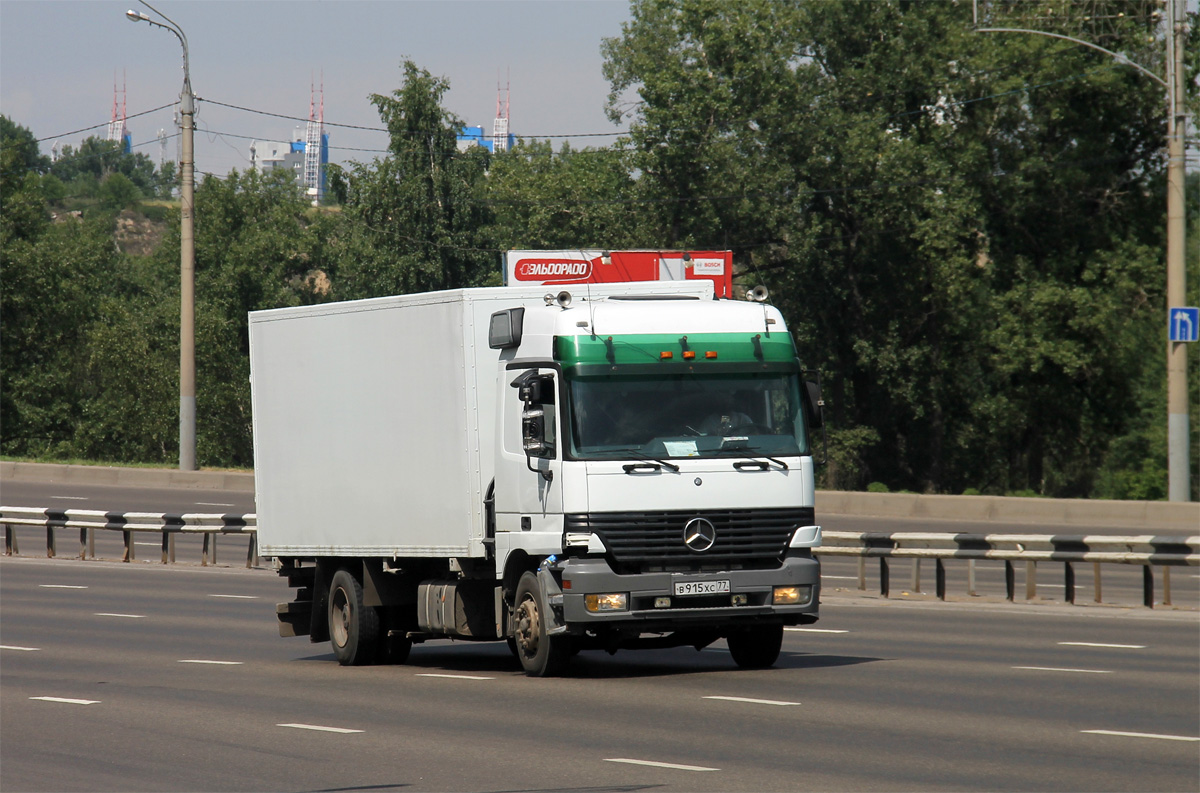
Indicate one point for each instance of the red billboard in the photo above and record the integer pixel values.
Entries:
(556, 268)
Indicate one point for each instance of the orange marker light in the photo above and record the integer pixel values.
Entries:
(689, 354)
(666, 354)
(710, 354)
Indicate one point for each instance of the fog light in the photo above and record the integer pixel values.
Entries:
(740, 600)
(613, 601)
(791, 595)
(662, 603)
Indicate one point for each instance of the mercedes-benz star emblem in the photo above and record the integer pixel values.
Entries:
(699, 534)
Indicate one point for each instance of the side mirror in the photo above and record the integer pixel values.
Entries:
(533, 431)
(816, 405)
(504, 330)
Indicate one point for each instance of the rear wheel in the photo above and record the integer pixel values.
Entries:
(353, 628)
(756, 647)
(540, 654)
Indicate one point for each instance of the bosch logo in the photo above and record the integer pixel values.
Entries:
(699, 534)
(541, 269)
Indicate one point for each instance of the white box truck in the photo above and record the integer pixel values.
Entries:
(622, 466)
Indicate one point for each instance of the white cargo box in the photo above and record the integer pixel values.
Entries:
(373, 420)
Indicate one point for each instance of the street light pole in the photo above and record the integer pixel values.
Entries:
(187, 250)
(1179, 484)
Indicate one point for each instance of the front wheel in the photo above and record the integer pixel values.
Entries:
(353, 627)
(756, 647)
(540, 654)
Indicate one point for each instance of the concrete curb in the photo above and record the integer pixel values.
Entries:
(1137, 516)
(126, 477)
(1175, 516)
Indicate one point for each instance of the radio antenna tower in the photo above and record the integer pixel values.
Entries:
(500, 125)
(116, 127)
(313, 137)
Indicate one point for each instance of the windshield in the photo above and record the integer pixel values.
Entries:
(686, 415)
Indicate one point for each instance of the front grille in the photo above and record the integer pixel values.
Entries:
(646, 541)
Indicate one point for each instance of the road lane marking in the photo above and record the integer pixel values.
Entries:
(840, 577)
(319, 728)
(15, 647)
(456, 677)
(67, 701)
(655, 764)
(1059, 669)
(202, 661)
(236, 597)
(127, 616)
(149, 544)
(61, 586)
(753, 701)
(211, 504)
(1142, 735)
(1098, 644)
(814, 630)
(69, 498)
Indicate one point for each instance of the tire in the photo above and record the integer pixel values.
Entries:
(540, 654)
(353, 628)
(756, 647)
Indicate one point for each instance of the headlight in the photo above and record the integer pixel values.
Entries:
(613, 601)
(791, 595)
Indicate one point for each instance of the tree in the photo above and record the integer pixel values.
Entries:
(540, 198)
(414, 218)
(949, 220)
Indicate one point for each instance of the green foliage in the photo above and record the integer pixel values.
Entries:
(414, 220)
(961, 228)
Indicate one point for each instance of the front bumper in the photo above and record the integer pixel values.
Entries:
(581, 577)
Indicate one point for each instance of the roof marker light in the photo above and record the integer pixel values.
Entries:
(689, 354)
(666, 355)
(710, 354)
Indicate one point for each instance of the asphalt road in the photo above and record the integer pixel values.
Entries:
(188, 687)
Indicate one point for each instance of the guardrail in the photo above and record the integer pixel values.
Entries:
(1145, 550)
(167, 524)
(1069, 550)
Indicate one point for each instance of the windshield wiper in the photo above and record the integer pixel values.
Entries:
(638, 453)
(749, 453)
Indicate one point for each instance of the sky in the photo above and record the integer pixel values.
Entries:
(60, 60)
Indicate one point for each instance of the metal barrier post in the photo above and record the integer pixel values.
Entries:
(83, 543)
(1010, 581)
(1148, 586)
(204, 551)
(252, 551)
(129, 553)
(1096, 578)
(213, 547)
(50, 549)
(91, 543)
(1166, 601)
(10, 541)
(1031, 580)
(884, 582)
(171, 547)
(862, 570)
(971, 577)
(165, 546)
(1069, 582)
(940, 579)
(916, 577)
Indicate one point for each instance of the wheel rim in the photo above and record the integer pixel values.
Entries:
(340, 624)
(527, 626)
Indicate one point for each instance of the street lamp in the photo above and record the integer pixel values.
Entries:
(187, 251)
(1178, 431)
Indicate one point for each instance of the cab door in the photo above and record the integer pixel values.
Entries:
(529, 464)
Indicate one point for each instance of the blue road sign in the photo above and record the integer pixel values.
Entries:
(1183, 323)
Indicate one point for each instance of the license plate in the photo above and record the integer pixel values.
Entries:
(684, 588)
